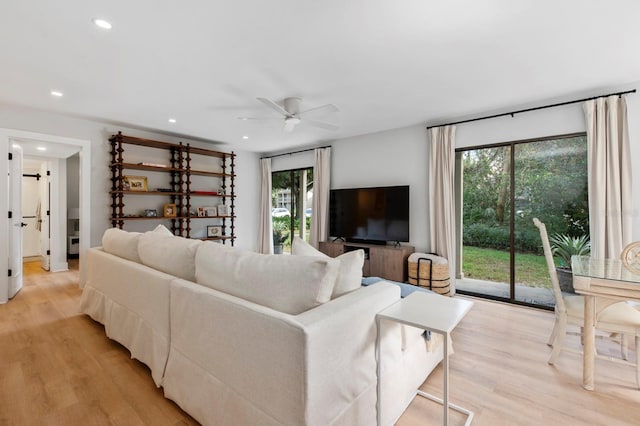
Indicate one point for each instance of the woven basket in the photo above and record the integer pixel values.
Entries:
(430, 271)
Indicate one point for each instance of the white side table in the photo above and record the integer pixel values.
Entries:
(438, 314)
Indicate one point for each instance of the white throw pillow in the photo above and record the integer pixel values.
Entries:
(350, 272)
(163, 230)
(121, 243)
(290, 284)
(168, 253)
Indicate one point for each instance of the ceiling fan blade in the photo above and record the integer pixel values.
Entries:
(323, 125)
(274, 106)
(328, 107)
(258, 118)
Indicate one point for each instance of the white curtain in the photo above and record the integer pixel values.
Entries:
(320, 206)
(442, 195)
(265, 234)
(609, 171)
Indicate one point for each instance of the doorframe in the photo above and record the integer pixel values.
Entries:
(84, 150)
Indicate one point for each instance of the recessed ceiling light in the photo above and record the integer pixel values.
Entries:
(41, 148)
(102, 23)
(243, 118)
(57, 93)
(172, 120)
(15, 145)
(245, 137)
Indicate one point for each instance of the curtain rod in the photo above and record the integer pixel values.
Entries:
(295, 152)
(512, 113)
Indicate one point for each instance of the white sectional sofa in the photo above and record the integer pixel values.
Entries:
(239, 338)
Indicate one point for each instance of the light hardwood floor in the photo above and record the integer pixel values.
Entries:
(58, 368)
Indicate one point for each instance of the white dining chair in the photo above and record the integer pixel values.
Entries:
(618, 319)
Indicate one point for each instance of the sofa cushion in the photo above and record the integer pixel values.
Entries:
(290, 284)
(350, 272)
(170, 254)
(121, 243)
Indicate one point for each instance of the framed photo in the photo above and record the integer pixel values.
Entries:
(201, 212)
(136, 183)
(210, 211)
(214, 231)
(223, 210)
(170, 210)
(151, 213)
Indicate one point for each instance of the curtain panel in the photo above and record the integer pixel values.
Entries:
(265, 234)
(609, 176)
(320, 206)
(442, 196)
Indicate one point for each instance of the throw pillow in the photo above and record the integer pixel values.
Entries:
(168, 253)
(290, 284)
(121, 243)
(161, 229)
(350, 272)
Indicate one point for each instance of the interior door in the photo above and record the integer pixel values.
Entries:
(42, 216)
(15, 233)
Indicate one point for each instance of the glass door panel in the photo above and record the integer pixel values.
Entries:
(486, 211)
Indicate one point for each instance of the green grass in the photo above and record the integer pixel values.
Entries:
(493, 265)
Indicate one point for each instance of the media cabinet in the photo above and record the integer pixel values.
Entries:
(384, 261)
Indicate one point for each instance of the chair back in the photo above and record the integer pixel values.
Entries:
(555, 285)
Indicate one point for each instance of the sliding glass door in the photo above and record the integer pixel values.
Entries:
(503, 188)
(291, 213)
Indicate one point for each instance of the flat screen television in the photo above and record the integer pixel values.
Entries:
(370, 215)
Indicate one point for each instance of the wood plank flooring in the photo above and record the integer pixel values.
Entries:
(57, 367)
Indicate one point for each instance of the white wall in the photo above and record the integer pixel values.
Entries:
(393, 157)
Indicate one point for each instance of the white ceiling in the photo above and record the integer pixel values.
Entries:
(385, 64)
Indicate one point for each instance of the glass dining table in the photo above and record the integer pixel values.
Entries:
(601, 282)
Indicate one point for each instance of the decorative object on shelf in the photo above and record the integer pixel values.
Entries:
(214, 231)
(201, 212)
(631, 257)
(170, 210)
(150, 213)
(223, 210)
(205, 192)
(210, 211)
(163, 189)
(136, 183)
(153, 165)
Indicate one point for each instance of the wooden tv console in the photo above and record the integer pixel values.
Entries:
(384, 261)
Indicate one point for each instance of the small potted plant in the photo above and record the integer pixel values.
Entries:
(564, 246)
(280, 235)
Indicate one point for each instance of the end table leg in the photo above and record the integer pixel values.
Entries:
(446, 379)
(589, 350)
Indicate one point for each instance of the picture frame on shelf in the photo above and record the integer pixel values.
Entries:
(201, 212)
(135, 183)
(214, 231)
(223, 210)
(150, 213)
(170, 210)
(210, 211)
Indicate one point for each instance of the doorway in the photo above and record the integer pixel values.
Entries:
(58, 148)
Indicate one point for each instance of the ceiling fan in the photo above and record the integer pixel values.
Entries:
(293, 116)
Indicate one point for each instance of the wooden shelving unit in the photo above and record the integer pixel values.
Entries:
(180, 172)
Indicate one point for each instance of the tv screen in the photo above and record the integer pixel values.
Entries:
(370, 215)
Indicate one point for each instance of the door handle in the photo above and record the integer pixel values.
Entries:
(22, 224)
